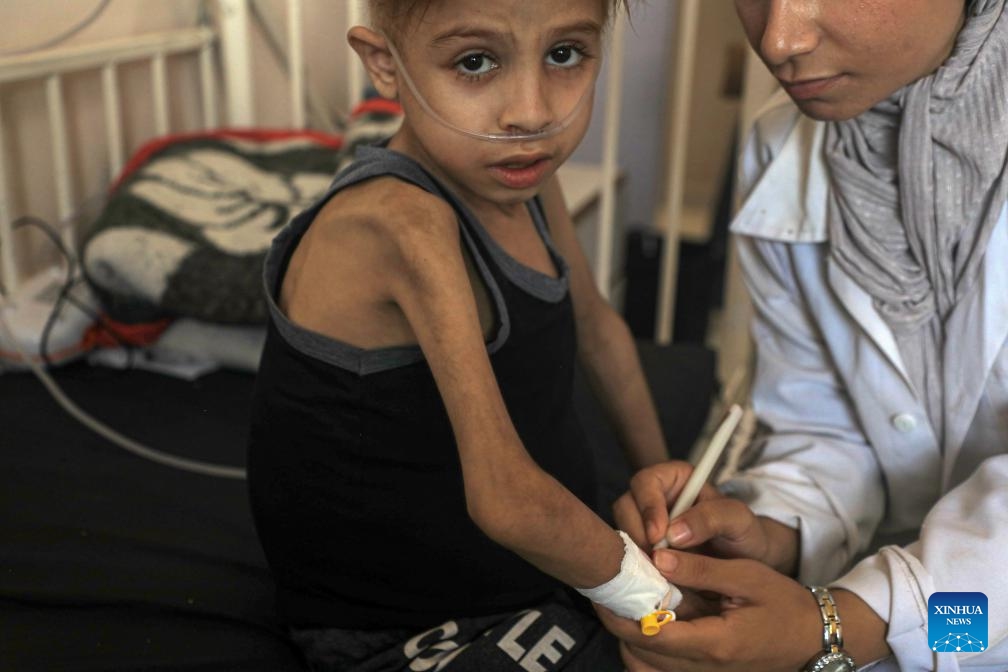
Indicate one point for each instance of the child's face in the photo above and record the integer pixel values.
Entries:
(499, 68)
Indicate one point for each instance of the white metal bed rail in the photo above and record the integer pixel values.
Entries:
(236, 54)
(52, 65)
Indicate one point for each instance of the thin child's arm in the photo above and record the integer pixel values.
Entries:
(509, 497)
(606, 348)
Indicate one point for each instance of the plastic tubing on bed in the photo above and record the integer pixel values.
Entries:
(95, 425)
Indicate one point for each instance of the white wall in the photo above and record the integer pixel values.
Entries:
(324, 26)
(648, 67)
(646, 64)
(713, 115)
(648, 71)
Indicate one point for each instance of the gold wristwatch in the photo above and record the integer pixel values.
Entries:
(832, 658)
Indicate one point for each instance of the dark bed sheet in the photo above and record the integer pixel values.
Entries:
(683, 384)
(111, 562)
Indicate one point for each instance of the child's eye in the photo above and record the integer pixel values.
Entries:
(565, 56)
(475, 65)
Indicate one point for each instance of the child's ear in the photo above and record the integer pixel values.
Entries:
(377, 59)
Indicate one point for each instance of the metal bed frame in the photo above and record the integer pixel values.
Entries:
(230, 46)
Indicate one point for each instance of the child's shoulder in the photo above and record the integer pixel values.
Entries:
(385, 216)
(387, 205)
(365, 244)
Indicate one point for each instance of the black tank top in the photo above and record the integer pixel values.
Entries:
(354, 476)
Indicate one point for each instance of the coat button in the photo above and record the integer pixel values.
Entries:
(904, 422)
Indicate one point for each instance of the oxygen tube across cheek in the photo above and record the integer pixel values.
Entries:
(579, 102)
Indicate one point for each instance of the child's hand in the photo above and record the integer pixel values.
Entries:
(756, 606)
(638, 590)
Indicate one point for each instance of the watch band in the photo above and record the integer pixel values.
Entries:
(832, 658)
(832, 626)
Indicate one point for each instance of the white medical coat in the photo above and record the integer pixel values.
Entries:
(850, 453)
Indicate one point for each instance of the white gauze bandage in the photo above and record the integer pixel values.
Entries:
(638, 590)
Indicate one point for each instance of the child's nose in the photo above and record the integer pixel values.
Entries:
(527, 107)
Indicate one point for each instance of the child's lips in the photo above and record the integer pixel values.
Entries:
(522, 172)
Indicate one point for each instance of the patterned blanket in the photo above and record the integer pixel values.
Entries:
(186, 227)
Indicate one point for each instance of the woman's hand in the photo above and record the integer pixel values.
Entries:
(766, 621)
(716, 524)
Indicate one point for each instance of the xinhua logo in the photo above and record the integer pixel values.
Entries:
(957, 622)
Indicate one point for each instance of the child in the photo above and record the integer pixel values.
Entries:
(414, 455)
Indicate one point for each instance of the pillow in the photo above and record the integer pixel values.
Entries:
(187, 226)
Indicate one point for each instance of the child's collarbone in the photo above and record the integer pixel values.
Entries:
(519, 238)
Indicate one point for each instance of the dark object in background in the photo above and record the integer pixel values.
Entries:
(643, 270)
(701, 269)
(701, 273)
(682, 381)
(697, 286)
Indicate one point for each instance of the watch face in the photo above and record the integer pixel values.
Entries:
(833, 662)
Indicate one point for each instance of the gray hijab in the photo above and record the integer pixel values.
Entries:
(918, 183)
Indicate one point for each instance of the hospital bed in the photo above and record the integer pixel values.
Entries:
(114, 560)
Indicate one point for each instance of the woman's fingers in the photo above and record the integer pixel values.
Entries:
(695, 605)
(737, 578)
(652, 490)
(633, 662)
(682, 639)
(728, 523)
(643, 514)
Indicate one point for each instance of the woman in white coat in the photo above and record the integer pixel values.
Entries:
(874, 240)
